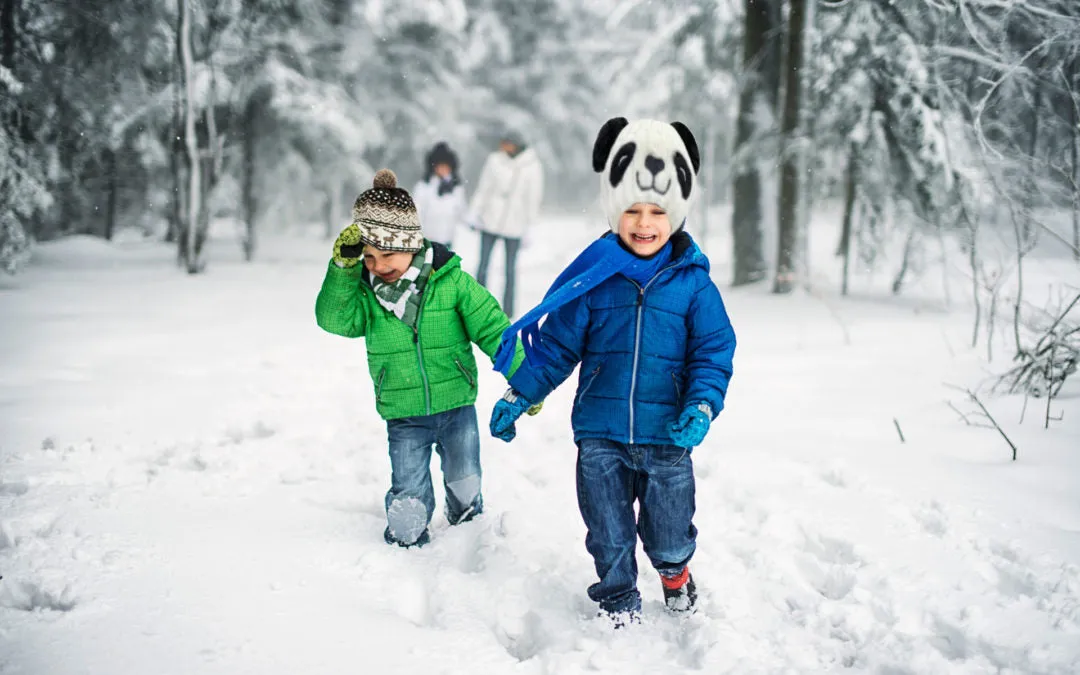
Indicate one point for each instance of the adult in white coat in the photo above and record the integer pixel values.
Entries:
(506, 205)
(440, 196)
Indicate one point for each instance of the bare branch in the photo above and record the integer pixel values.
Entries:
(971, 395)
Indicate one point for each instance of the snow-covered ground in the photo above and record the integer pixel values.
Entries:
(192, 475)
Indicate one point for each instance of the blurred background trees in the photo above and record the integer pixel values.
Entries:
(926, 121)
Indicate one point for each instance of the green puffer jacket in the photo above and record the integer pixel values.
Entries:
(432, 370)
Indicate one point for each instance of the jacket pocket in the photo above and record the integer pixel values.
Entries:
(678, 389)
(465, 372)
(379, 385)
(592, 378)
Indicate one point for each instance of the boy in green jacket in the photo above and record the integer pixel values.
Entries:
(420, 313)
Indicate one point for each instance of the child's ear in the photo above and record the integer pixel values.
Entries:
(605, 140)
(691, 144)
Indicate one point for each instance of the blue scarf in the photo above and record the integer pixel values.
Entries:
(603, 259)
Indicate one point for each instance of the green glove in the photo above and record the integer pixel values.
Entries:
(348, 249)
(535, 410)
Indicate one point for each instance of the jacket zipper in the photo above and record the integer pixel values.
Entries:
(464, 372)
(637, 341)
(420, 358)
(378, 386)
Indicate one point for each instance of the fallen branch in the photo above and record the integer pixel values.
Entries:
(971, 395)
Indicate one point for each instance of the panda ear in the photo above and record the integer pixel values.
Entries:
(605, 140)
(691, 144)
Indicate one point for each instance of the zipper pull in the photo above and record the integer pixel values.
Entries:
(640, 296)
(416, 336)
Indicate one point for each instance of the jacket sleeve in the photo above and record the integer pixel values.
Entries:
(341, 307)
(564, 338)
(419, 196)
(710, 348)
(536, 192)
(482, 317)
(461, 206)
(483, 186)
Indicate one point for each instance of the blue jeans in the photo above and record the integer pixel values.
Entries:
(487, 245)
(610, 478)
(410, 502)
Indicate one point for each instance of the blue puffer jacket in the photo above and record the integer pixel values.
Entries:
(646, 351)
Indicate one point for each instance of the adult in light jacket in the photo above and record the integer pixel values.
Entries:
(506, 205)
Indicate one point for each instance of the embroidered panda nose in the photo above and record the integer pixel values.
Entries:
(654, 164)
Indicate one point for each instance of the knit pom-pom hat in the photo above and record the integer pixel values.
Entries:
(386, 216)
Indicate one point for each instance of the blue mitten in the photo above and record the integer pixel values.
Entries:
(506, 411)
(690, 429)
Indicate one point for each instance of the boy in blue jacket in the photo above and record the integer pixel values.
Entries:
(638, 310)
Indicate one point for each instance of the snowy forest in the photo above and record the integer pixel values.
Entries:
(933, 118)
(193, 470)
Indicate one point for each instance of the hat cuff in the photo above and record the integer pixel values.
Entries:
(388, 238)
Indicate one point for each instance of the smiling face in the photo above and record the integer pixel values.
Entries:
(644, 228)
(387, 265)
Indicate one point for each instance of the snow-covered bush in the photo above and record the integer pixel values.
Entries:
(14, 244)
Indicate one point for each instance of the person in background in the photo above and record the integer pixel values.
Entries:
(506, 205)
(440, 196)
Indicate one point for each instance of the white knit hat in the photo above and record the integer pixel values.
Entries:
(646, 161)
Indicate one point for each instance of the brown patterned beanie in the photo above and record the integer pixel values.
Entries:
(387, 216)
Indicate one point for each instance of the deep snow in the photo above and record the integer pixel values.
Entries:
(192, 475)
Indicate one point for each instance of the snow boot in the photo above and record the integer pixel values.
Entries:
(680, 593)
(424, 538)
(407, 521)
(620, 620)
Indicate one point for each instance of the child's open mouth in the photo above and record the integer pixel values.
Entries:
(643, 238)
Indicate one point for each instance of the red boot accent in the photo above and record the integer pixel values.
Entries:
(677, 581)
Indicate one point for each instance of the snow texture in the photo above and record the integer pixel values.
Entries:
(192, 478)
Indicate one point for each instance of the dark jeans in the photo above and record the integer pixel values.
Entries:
(610, 478)
(487, 244)
(410, 502)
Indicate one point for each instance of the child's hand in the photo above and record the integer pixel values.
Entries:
(348, 249)
(506, 411)
(690, 429)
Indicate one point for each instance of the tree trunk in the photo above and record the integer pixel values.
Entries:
(1074, 118)
(787, 254)
(331, 210)
(1024, 229)
(905, 262)
(8, 24)
(114, 189)
(249, 198)
(177, 215)
(759, 97)
(190, 241)
(8, 30)
(849, 210)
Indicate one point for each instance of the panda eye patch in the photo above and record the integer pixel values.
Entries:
(621, 162)
(682, 172)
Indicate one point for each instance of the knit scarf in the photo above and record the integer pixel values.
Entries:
(603, 259)
(403, 297)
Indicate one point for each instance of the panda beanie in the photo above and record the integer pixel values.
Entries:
(641, 161)
(646, 161)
